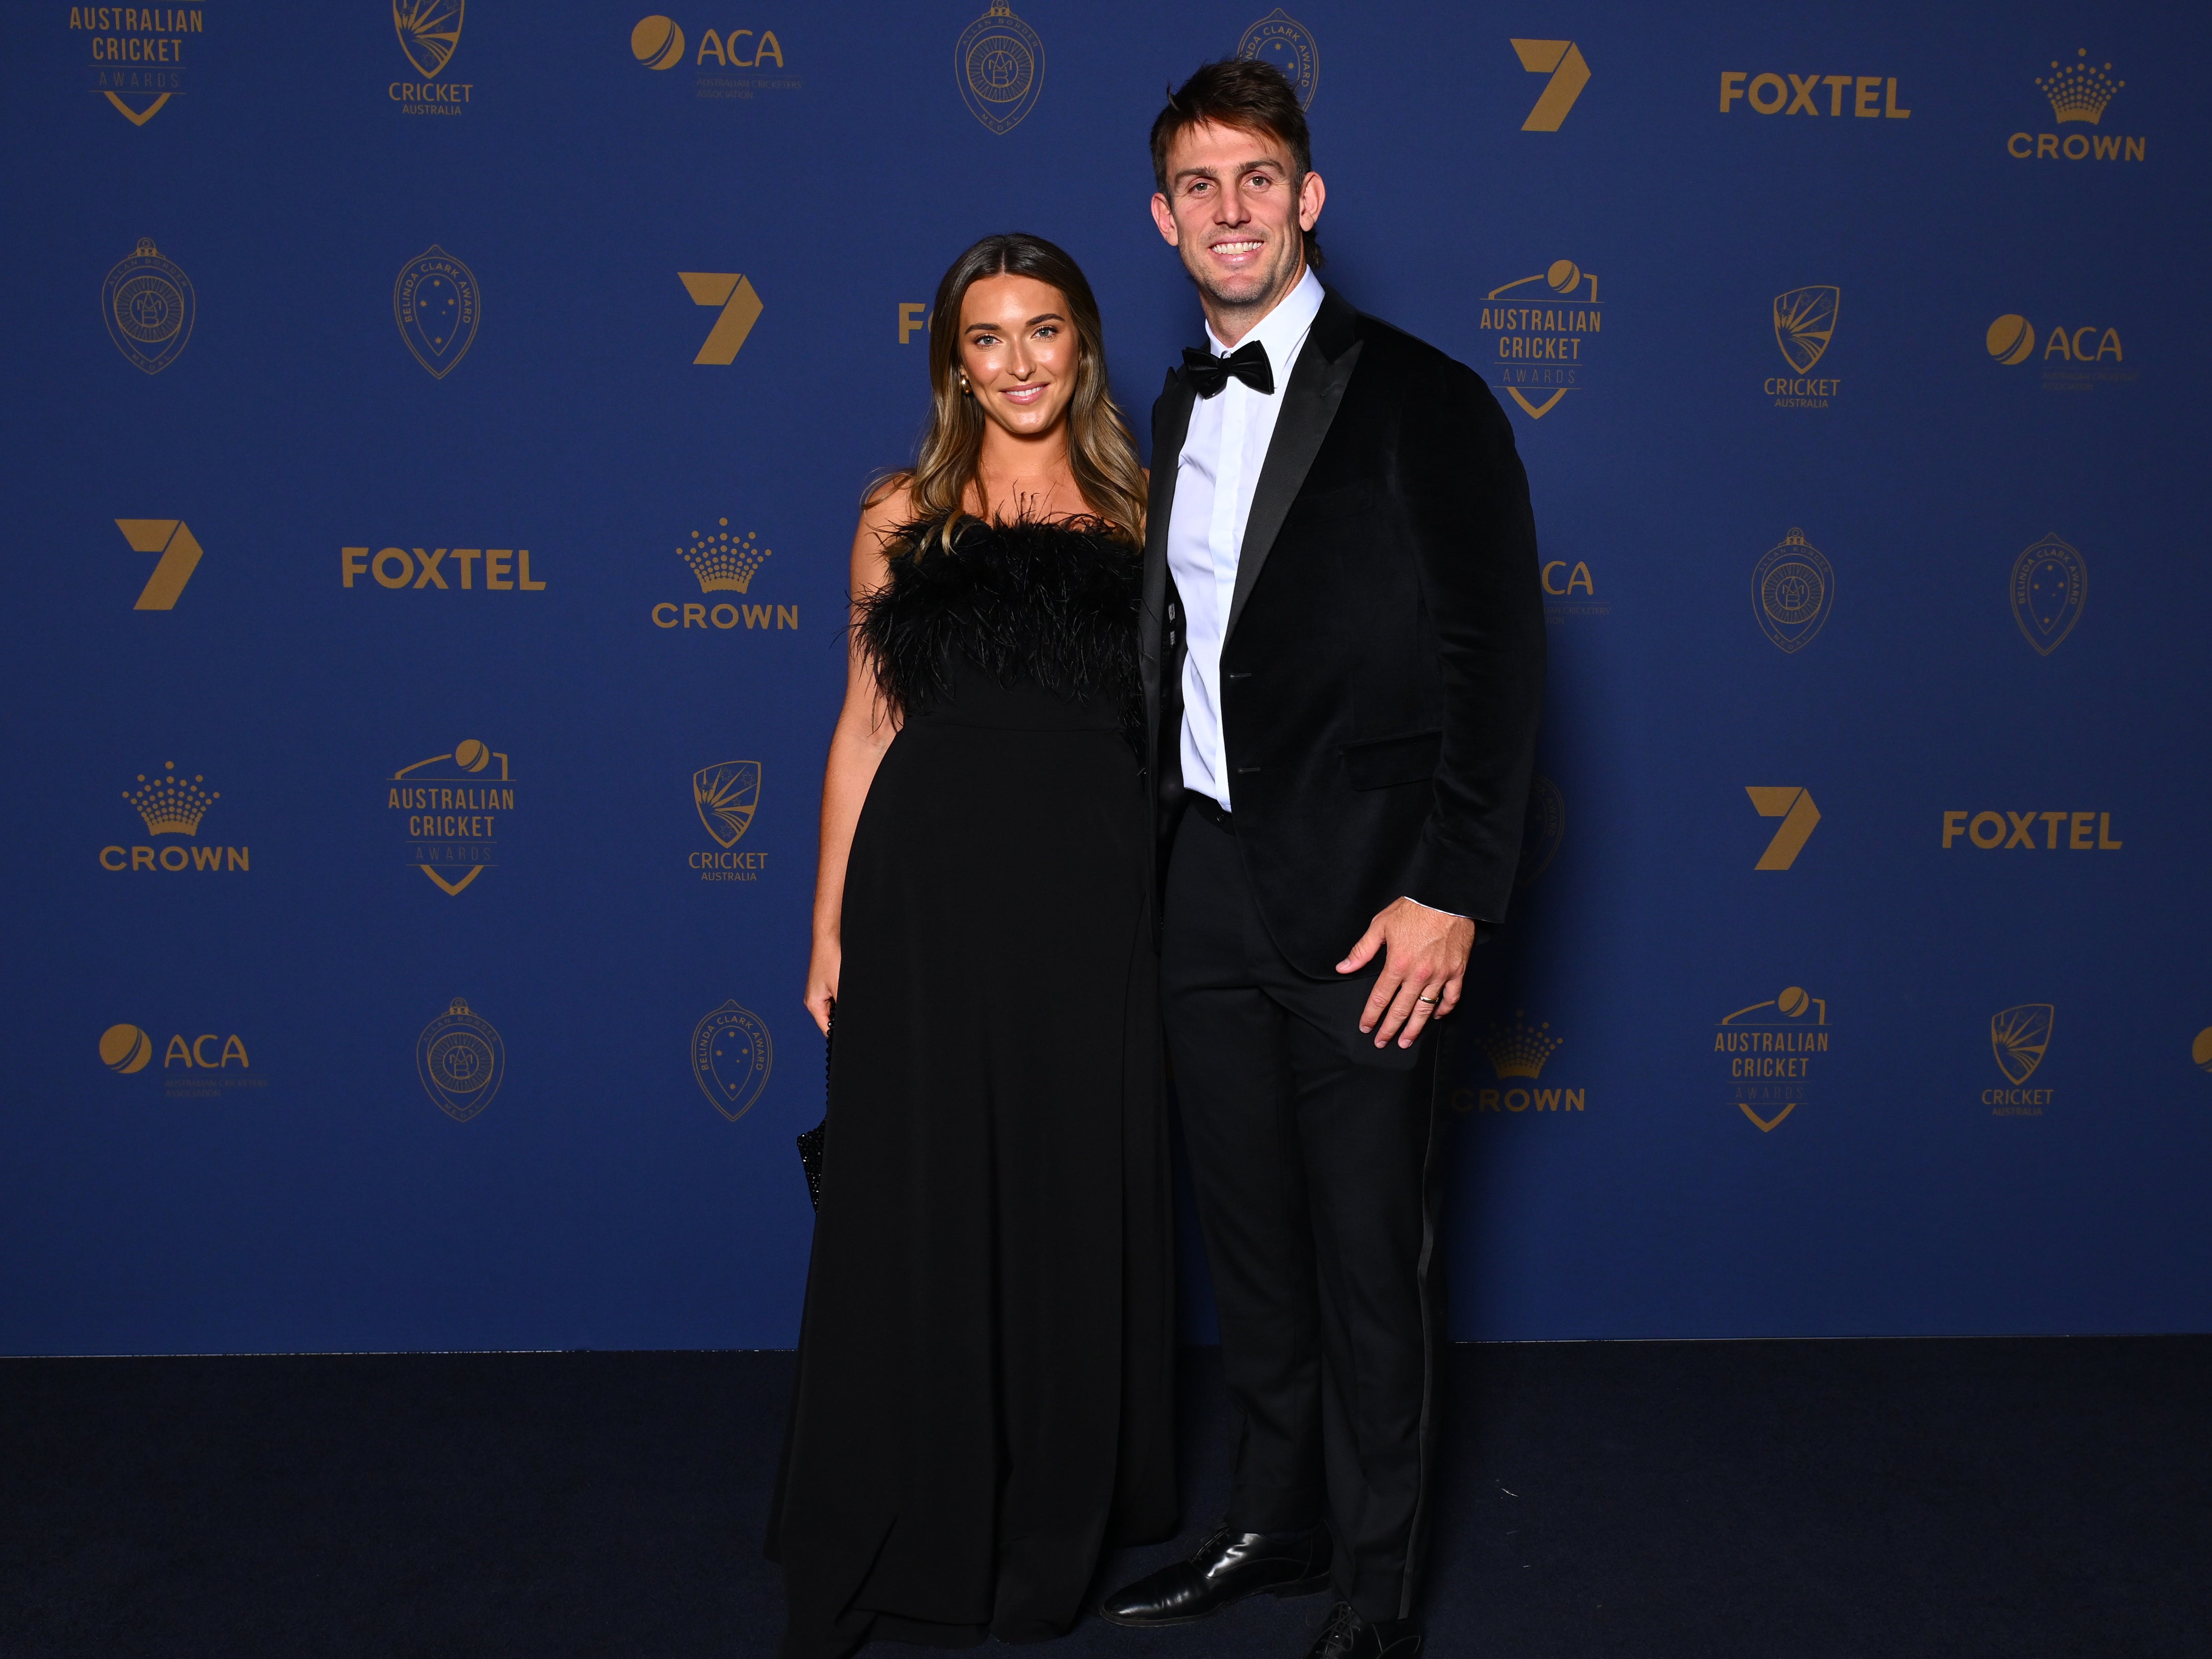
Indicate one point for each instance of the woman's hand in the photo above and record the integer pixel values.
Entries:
(821, 969)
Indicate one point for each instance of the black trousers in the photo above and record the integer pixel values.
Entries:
(1315, 1156)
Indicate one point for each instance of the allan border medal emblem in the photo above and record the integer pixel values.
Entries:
(999, 65)
(149, 306)
(731, 1056)
(436, 303)
(1288, 44)
(1793, 588)
(2050, 586)
(461, 1062)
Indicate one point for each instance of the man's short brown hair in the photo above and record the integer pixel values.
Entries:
(1246, 94)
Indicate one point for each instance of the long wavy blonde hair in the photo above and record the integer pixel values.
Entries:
(1100, 451)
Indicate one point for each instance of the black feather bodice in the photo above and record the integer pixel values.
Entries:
(1052, 604)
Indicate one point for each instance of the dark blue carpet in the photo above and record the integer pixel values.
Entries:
(1975, 1498)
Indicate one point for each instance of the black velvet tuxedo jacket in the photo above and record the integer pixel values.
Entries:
(1382, 668)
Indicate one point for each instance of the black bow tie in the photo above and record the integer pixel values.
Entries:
(1248, 363)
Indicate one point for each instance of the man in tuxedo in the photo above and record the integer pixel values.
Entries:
(1343, 659)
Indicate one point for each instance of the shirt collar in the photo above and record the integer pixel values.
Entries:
(1282, 329)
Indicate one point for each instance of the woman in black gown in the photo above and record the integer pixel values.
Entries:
(983, 1394)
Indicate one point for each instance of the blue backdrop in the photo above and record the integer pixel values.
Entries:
(1858, 981)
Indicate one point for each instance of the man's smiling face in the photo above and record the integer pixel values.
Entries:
(1238, 212)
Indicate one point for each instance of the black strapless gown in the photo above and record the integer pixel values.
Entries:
(984, 1391)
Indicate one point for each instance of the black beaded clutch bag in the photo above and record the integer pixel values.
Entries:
(810, 1144)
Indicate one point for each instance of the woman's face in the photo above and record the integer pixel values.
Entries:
(1019, 349)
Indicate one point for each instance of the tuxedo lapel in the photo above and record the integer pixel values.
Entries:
(1170, 422)
(1309, 402)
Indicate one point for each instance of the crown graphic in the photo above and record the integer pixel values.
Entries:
(171, 805)
(2079, 91)
(722, 560)
(1520, 1049)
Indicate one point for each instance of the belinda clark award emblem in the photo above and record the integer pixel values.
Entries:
(731, 1056)
(999, 65)
(436, 303)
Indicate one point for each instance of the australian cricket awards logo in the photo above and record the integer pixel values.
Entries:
(724, 563)
(453, 806)
(1518, 1053)
(726, 796)
(173, 803)
(138, 53)
(731, 1056)
(1771, 1048)
(1541, 831)
(148, 305)
(2078, 93)
(1804, 328)
(999, 65)
(461, 1062)
(429, 31)
(2049, 584)
(1541, 329)
(1793, 588)
(2019, 1037)
(437, 307)
(1288, 44)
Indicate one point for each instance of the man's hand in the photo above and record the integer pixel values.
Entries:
(1424, 968)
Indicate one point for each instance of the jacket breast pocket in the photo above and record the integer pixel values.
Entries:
(1386, 761)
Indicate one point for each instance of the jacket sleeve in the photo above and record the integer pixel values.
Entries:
(1465, 498)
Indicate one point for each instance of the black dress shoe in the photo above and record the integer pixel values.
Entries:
(1227, 1567)
(1347, 1635)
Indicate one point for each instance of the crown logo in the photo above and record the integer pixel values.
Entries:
(723, 561)
(171, 805)
(2079, 91)
(1520, 1049)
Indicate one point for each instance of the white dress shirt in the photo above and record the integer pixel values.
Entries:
(1222, 454)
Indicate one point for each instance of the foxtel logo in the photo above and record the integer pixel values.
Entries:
(504, 568)
(2083, 832)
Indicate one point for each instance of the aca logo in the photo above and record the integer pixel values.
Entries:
(192, 1067)
(451, 806)
(137, 53)
(740, 308)
(657, 43)
(1868, 97)
(180, 555)
(1793, 806)
(429, 32)
(1793, 588)
(1539, 343)
(1286, 44)
(171, 803)
(724, 563)
(1771, 1048)
(149, 305)
(726, 796)
(2200, 1051)
(461, 1062)
(2074, 359)
(1516, 1051)
(2018, 1038)
(999, 63)
(2047, 832)
(1563, 60)
(506, 569)
(2079, 93)
(2049, 584)
(1569, 590)
(731, 1056)
(436, 304)
(1804, 326)
(1543, 829)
